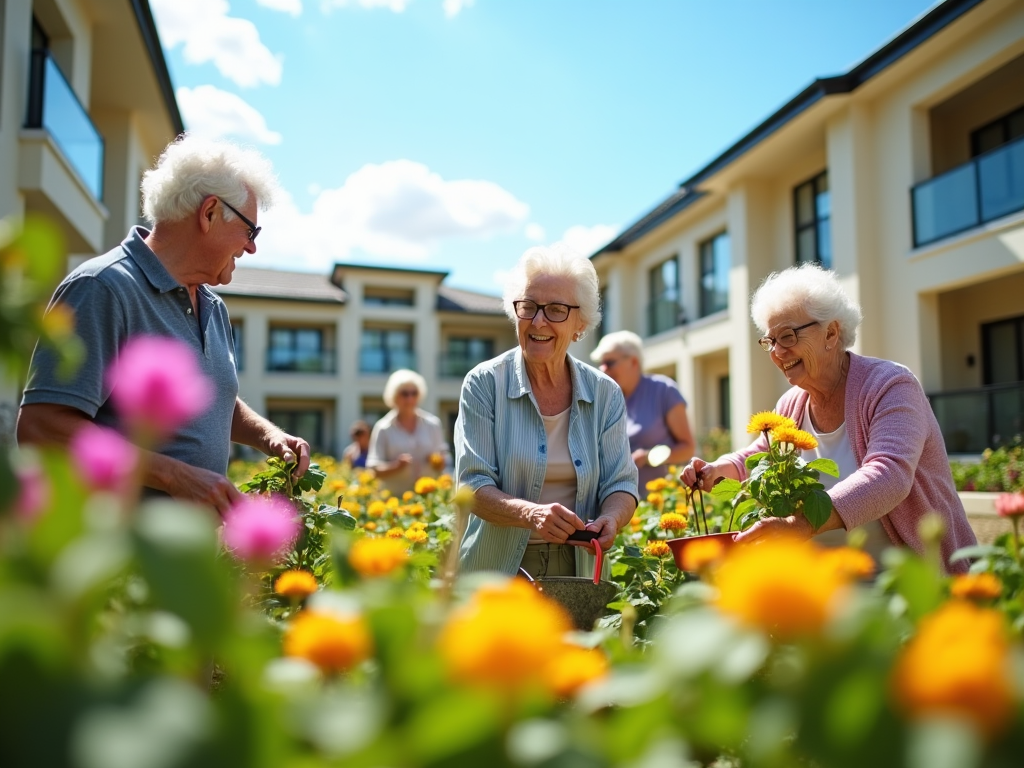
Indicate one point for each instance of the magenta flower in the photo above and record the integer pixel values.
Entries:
(261, 529)
(1010, 504)
(105, 460)
(33, 492)
(156, 385)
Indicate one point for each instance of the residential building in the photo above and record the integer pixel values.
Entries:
(86, 104)
(906, 176)
(315, 350)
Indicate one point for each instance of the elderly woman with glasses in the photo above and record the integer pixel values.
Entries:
(407, 443)
(541, 437)
(870, 416)
(655, 408)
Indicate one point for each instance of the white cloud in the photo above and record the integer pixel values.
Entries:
(293, 7)
(453, 7)
(535, 232)
(399, 209)
(207, 33)
(586, 240)
(394, 5)
(209, 111)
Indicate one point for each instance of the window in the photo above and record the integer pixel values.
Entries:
(998, 132)
(812, 210)
(238, 339)
(464, 353)
(299, 350)
(384, 350)
(602, 326)
(714, 274)
(307, 423)
(1003, 351)
(664, 311)
(388, 297)
(724, 403)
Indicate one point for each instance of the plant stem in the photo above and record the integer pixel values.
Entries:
(1016, 538)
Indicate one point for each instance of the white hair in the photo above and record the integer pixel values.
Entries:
(624, 342)
(399, 379)
(192, 168)
(812, 288)
(556, 261)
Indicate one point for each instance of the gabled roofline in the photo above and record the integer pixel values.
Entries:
(151, 39)
(377, 268)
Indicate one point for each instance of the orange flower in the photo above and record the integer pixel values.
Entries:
(574, 667)
(976, 586)
(958, 665)
(635, 522)
(392, 503)
(377, 556)
(408, 496)
(701, 553)
(766, 421)
(370, 526)
(802, 441)
(376, 508)
(415, 510)
(416, 535)
(656, 548)
(672, 521)
(657, 484)
(656, 500)
(444, 482)
(395, 533)
(436, 461)
(334, 643)
(850, 562)
(295, 584)
(425, 485)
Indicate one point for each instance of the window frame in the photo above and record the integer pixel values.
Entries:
(814, 225)
(1002, 121)
(385, 349)
(666, 294)
(324, 353)
(708, 247)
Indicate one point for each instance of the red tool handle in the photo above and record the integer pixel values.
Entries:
(598, 556)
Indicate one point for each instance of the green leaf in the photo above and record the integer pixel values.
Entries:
(754, 459)
(726, 489)
(817, 508)
(827, 466)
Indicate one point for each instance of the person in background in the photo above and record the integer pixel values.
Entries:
(655, 408)
(407, 443)
(355, 453)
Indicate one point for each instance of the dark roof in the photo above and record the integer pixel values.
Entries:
(284, 286)
(458, 300)
(932, 22)
(147, 27)
(339, 266)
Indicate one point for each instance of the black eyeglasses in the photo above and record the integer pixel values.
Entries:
(555, 312)
(785, 339)
(253, 229)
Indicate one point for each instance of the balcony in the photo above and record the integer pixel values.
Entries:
(989, 186)
(454, 365)
(972, 420)
(287, 360)
(664, 314)
(376, 360)
(54, 107)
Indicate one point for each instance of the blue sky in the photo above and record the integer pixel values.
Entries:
(454, 134)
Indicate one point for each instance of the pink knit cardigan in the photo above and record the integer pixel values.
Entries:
(904, 470)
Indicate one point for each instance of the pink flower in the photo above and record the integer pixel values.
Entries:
(156, 385)
(260, 528)
(1010, 504)
(33, 491)
(105, 460)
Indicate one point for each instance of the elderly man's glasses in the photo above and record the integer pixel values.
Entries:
(555, 312)
(785, 339)
(253, 229)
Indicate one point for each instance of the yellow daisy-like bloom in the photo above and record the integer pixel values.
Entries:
(781, 586)
(636, 522)
(656, 500)
(295, 584)
(574, 667)
(354, 508)
(392, 503)
(416, 510)
(365, 477)
(444, 482)
(802, 441)
(408, 496)
(656, 548)
(417, 535)
(425, 485)
(376, 508)
(333, 643)
(958, 665)
(672, 521)
(850, 562)
(377, 556)
(768, 420)
(700, 554)
(370, 526)
(395, 533)
(483, 642)
(436, 461)
(976, 586)
(657, 484)
(338, 485)
(418, 524)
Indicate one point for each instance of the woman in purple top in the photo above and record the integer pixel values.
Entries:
(655, 408)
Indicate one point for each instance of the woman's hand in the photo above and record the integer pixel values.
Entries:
(606, 528)
(794, 526)
(707, 474)
(553, 522)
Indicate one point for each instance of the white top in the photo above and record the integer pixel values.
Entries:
(560, 478)
(389, 440)
(836, 445)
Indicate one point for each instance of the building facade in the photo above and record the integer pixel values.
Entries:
(906, 176)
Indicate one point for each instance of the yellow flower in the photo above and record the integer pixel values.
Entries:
(295, 584)
(418, 524)
(781, 586)
(425, 485)
(976, 586)
(370, 526)
(415, 510)
(958, 665)
(376, 508)
(436, 461)
(416, 535)
(656, 548)
(699, 554)
(768, 420)
(656, 500)
(484, 643)
(333, 643)
(365, 477)
(802, 441)
(354, 508)
(636, 522)
(672, 521)
(377, 556)
(392, 503)
(657, 484)
(395, 533)
(408, 496)
(338, 485)
(444, 482)
(574, 667)
(850, 562)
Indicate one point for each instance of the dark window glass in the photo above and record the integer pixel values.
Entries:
(299, 349)
(724, 403)
(812, 214)
(384, 350)
(664, 310)
(237, 338)
(309, 423)
(1003, 348)
(998, 132)
(714, 274)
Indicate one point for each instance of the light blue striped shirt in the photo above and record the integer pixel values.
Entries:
(500, 440)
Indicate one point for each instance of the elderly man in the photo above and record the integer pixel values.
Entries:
(202, 198)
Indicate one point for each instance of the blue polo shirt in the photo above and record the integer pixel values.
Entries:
(125, 293)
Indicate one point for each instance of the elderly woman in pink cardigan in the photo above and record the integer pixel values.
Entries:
(870, 416)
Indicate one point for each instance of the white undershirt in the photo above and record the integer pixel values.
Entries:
(836, 445)
(560, 478)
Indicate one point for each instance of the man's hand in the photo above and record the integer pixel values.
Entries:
(640, 457)
(201, 486)
(606, 528)
(290, 449)
(553, 522)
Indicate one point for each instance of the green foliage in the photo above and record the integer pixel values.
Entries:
(1000, 470)
(715, 443)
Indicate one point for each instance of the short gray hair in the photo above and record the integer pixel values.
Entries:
(556, 261)
(399, 379)
(623, 342)
(815, 289)
(192, 168)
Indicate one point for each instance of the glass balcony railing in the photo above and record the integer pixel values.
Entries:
(53, 105)
(372, 360)
(989, 186)
(286, 360)
(455, 366)
(972, 420)
(663, 314)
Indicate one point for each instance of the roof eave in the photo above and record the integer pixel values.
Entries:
(151, 39)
